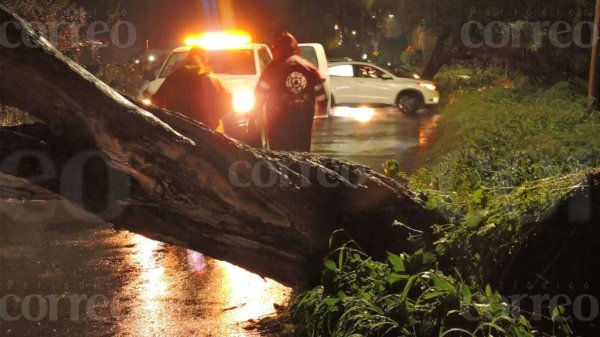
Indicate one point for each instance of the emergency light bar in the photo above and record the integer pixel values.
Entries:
(230, 39)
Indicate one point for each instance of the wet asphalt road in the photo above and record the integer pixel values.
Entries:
(99, 282)
(383, 134)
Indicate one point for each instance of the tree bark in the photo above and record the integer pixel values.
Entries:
(439, 57)
(175, 177)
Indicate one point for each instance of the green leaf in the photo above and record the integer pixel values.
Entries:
(397, 263)
(433, 294)
(429, 259)
(466, 294)
(488, 291)
(331, 301)
(473, 219)
(431, 203)
(407, 288)
(395, 277)
(441, 283)
(524, 322)
(330, 265)
(558, 314)
(478, 197)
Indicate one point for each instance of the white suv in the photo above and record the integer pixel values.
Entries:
(365, 83)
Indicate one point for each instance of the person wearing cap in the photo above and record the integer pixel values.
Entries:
(290, 89)
(193, 90)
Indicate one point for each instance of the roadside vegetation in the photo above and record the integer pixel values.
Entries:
(403, 296)
(502, 160)
(506, 152)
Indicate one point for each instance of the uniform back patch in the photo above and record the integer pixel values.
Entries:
(296, 82)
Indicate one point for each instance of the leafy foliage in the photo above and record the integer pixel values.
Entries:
(502, 160)
(404, 296)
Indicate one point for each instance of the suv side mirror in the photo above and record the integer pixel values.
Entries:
(149, 75)
(386, 77)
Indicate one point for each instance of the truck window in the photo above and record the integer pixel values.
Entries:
(224, 62)
(264, 58)
(174, 62)
(232, 62)
(310, 54)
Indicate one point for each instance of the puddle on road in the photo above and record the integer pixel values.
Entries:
(386, 135)
(99, 282)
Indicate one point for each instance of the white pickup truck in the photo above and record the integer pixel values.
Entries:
(239, 67)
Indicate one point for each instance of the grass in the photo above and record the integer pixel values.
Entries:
(501, 161)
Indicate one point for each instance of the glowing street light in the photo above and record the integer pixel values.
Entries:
(151, 58)
(391, 16)
(336, 27)
(354, 32)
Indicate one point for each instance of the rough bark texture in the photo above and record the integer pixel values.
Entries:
(173, 174)
(439, 57)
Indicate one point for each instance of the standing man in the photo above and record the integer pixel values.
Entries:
(193, 90)
(290, 89)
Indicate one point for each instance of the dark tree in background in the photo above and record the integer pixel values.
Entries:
(59, 20)
(446, 19)
(347, 28)
(361, 22)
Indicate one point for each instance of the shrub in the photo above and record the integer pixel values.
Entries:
(403, 296)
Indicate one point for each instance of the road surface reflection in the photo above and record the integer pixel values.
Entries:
(372, 136)
(174, 288)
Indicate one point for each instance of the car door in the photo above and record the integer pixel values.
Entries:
(371, 86)
(315, 53)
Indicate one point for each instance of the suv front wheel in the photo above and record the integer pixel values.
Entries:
(409, 102)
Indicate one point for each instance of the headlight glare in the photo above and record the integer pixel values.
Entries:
(243, 101)
(429, 86)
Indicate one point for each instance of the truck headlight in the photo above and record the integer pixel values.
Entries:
(243, 101)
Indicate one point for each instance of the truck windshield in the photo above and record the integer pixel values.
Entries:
(223, 62)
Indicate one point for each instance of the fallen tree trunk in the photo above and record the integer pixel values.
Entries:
(181, 183)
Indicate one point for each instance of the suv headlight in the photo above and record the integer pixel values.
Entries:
(243, 101)
(429, 86)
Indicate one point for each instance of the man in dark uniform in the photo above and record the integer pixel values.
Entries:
(290, 89)
(193, 90)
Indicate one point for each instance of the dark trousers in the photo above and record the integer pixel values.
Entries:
(290, 129)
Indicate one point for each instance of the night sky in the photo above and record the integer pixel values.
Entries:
(166, 22)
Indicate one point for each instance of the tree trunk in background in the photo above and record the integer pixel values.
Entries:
(439, 56)
(170, 178)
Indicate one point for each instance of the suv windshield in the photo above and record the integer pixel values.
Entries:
(224, 62)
